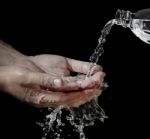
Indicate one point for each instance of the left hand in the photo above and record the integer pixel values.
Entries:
(50, 78)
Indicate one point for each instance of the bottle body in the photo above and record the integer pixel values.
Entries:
(140, 29)
(138, 25)
(143, 14)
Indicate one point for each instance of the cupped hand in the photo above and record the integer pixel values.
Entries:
(46, 81)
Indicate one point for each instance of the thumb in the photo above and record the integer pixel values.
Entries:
(42, 79)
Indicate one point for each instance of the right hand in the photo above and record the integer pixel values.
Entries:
(27, 82)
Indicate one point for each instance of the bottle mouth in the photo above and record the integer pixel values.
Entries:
(123, 17)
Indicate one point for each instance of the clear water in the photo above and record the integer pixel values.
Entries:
(86, 114)
(82, 116)
(78, 118)
(99, 50)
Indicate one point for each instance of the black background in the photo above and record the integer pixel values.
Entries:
(72, 31)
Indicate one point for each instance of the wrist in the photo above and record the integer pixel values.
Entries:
(8, 55)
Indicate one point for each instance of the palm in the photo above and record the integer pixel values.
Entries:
(52, 64)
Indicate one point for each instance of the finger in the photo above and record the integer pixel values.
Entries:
(41, 98)
(38, 98)
(78, 98)
(50, 82)
(96, 79)
(72, 84)
(60, 99)
(82, 67)
(61, 84)
(41, 79)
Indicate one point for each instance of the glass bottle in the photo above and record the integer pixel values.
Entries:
(138, 22)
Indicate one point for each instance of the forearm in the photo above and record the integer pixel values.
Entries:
(8, 54)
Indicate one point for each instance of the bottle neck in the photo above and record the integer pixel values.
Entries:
(124, 18)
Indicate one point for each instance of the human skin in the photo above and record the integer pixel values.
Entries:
(45, 80)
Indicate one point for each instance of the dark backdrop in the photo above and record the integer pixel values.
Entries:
(72, 31)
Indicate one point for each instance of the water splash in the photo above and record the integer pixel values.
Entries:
(84, 115)
(78, 118)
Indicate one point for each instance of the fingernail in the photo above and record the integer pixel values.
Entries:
(57, 83)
